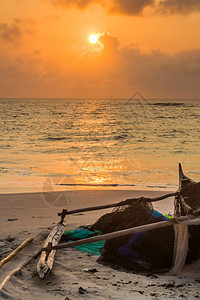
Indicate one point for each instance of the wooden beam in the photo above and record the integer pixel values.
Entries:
(121, 203)
(124, 232)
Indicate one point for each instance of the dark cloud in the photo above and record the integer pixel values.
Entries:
(161, 75)
(13, 32)
(178, 6)
(136, 7)
(130, 7)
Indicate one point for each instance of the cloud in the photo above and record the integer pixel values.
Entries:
(13, 32)
(130, 7)
(178, 6)
(81, 4)
(107, 46)
(115, 72)
(161, 75)
(136, 7)
(108, 42)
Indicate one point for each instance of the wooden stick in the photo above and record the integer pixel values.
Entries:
(13, 272)
(124, 232)
(46, 261)
(125, 202)
(14, 253)
(113, 235)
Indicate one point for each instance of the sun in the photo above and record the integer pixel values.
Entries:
(93, 38)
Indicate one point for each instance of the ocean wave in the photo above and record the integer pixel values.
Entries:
(17, 171)
(56, 138)
(157, 186)
(168, 104)
(121, 137)
(6, 147)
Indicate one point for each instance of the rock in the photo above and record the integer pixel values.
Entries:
(9, 239)
(82, 290)
(153, 295)
(92, 271)
(141, 292)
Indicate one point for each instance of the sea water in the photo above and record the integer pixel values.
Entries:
(126, 143)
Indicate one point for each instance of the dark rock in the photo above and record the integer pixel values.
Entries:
(169, 285)
(92, 271)
(197, 280)
(128, 282)
(152, 276)
(82, 290)
(9, 239)
(141, 292)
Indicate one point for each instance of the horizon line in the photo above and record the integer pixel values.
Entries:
(94, 98)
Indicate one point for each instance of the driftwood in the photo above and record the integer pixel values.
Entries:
(14, 253)
(13, 272)
(23, 258)
(45, 263)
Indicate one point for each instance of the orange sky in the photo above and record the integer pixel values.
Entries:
(151, 46)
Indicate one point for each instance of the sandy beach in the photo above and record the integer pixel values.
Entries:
(99, 103)
(76, 274)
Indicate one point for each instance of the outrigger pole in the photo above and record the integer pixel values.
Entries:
(124, 232)
(121, 203)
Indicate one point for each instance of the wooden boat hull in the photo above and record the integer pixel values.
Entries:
(187, 202)
(187, 238)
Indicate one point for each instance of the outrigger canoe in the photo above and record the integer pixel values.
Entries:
(187, 205)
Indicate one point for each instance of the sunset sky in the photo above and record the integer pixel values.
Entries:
(151, 46)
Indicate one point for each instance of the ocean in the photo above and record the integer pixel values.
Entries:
(137, 143)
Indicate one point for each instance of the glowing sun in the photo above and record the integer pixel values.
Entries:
(93, 38)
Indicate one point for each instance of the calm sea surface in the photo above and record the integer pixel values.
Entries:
(134, 143)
